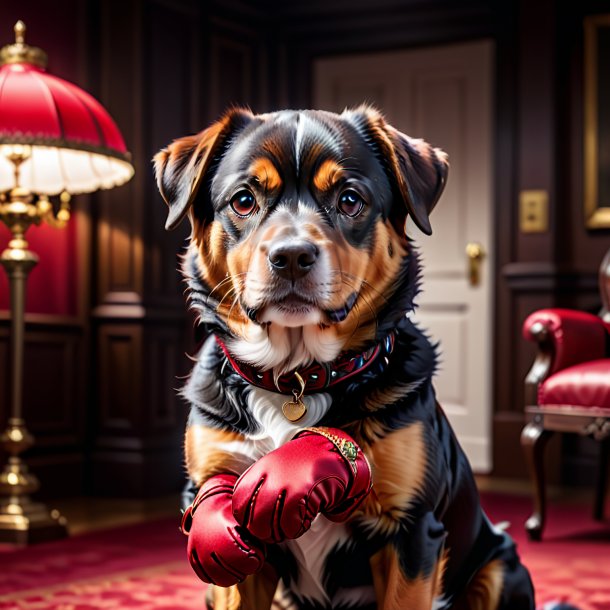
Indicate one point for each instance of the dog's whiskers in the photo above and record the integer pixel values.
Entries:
(229, 279)
(229, 293)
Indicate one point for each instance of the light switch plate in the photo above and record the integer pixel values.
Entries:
(534, 211)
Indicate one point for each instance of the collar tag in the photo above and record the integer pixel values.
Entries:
(295, 409)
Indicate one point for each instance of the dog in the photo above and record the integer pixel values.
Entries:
(324, 474)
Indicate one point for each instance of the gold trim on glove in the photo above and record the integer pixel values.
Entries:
(348, 449)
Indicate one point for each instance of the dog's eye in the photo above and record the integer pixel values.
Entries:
(243, 203)
(350, 203)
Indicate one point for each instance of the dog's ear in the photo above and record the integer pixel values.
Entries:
(181, 167)
(419, 170)
(422, 174)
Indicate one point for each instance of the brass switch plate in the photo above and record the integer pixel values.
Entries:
(534, 211)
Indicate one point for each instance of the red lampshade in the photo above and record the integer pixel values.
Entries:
(75, 144)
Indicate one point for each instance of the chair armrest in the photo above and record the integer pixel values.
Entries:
(565, 337)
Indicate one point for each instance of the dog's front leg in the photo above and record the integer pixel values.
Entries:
(255, 593)
(407, 572)
(211, 451)
(220, 552)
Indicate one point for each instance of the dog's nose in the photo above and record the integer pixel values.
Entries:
(293, 259)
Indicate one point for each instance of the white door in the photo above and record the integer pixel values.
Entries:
(442, 94)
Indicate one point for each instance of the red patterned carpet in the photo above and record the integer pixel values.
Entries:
(572, 563)
(140, 566)
(144, 566)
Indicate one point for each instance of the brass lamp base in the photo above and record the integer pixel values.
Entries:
(24, 522)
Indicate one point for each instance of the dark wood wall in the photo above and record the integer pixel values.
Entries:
(100, 388)
(144, 63)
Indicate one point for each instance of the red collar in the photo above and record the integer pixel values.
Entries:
(317, 376)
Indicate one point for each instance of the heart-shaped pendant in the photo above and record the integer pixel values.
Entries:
(294, 409)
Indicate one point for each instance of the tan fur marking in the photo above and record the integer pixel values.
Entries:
(255, 593)
(327, 175)
(214, 265)
(226, 598)
(379, 562)
(399, 464)
(485, 589)
(440, 573)
(205, 459)
(373, 275)
(380, 398)
(394, 591)
(258, 590)
(211, 243)
(266, 174)
(238, 263)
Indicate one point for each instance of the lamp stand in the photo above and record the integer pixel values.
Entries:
(22, 521)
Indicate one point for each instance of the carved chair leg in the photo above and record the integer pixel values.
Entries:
(602, 480)
(533, 441)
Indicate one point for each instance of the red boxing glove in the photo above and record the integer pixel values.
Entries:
(219, 550)
(321, 470)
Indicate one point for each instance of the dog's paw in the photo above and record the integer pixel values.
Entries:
(219, 550)
(322, 470)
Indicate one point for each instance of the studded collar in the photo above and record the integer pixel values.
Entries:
(317, 376)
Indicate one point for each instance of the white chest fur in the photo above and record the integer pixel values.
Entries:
(274, 429)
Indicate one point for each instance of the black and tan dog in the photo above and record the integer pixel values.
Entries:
(299, 261)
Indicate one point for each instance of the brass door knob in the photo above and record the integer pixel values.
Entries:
(476, 254)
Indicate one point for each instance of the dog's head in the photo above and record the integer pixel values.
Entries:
(298, 245)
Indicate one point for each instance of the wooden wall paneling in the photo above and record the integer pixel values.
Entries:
(169, 68)
(119, 225)
(536, 167)
(172, 110)
(167, 365)
(584, 248)
(524, 160)
(53, 402)
(141, 418)
(505, 389)
(55, 408)
(119, 405)
(119, 352)
(230, 75)
(51, 386)
(151, 82)
(237, 66)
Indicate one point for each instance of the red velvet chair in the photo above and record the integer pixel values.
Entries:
(568, 390)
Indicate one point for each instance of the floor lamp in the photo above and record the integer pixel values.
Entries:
(55, 141)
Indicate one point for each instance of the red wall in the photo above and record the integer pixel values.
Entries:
(52, 287)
